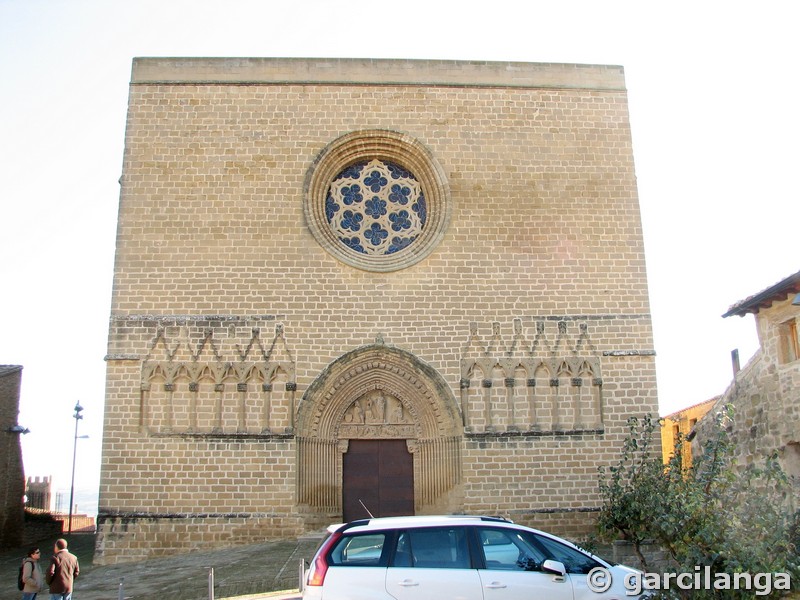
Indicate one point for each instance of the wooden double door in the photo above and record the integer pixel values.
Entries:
(379, 474)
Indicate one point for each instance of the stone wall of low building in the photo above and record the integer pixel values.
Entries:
(678, 427)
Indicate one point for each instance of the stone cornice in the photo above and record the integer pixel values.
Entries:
(357, 71)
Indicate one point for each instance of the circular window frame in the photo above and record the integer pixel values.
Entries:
(389, 146)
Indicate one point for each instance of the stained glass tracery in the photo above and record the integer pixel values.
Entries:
(376, 207)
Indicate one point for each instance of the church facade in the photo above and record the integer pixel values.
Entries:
(347, 287)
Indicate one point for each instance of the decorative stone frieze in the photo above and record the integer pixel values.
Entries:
(561, 364)
(196, 399)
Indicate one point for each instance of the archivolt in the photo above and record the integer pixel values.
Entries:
(420, 388)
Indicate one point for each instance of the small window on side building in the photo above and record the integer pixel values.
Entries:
(789, 342)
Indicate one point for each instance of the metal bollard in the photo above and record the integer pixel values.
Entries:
(302, 575)
(210, 583)
(121, 594)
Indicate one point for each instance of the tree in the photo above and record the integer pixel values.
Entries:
(711, 514)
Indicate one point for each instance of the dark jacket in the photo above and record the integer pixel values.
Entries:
(63, 570)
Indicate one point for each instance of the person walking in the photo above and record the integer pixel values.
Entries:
(63, 570)
(32, 575)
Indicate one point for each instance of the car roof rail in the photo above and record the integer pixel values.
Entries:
(493, 518)
(364, 522)
(497, 518)
(352, 524)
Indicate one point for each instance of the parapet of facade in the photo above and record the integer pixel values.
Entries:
(415, 286)
(765, 394)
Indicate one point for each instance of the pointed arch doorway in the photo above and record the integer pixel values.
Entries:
(378, 423)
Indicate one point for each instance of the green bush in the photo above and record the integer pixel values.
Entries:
(712, 517)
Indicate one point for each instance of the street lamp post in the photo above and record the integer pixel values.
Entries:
(77, 416)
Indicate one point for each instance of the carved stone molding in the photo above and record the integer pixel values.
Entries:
(377, 392)
(417, 401)
(555, 377)
(197, 379)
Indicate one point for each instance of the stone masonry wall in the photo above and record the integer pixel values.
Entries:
(12, 475)
(214, 257)
(765, 398)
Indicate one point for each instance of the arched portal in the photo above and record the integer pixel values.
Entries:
(378, 417)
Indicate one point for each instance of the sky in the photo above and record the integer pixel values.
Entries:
(712, 91)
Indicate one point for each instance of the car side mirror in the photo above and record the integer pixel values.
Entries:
(554, 567)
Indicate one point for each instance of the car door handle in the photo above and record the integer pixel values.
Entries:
(407, 583)
(496, 585)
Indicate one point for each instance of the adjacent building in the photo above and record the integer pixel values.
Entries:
(677, 428)
(765, 394)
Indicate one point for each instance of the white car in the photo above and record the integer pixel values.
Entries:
(457, 557)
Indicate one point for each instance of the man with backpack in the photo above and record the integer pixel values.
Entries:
(62, 572)
(30, 575)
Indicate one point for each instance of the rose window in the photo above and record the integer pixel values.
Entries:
(376, 207)
(377, 200)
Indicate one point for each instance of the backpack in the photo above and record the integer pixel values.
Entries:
(20, 581)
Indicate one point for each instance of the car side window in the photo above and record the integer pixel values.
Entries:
(574, 560)
(358, 550)
(507, 550)
(433, 548)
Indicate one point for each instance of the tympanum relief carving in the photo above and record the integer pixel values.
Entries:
(377, 415)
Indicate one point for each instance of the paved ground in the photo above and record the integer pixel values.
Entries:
(267, 571)
(254, 572)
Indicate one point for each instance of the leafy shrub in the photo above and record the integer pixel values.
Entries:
(712, 514)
